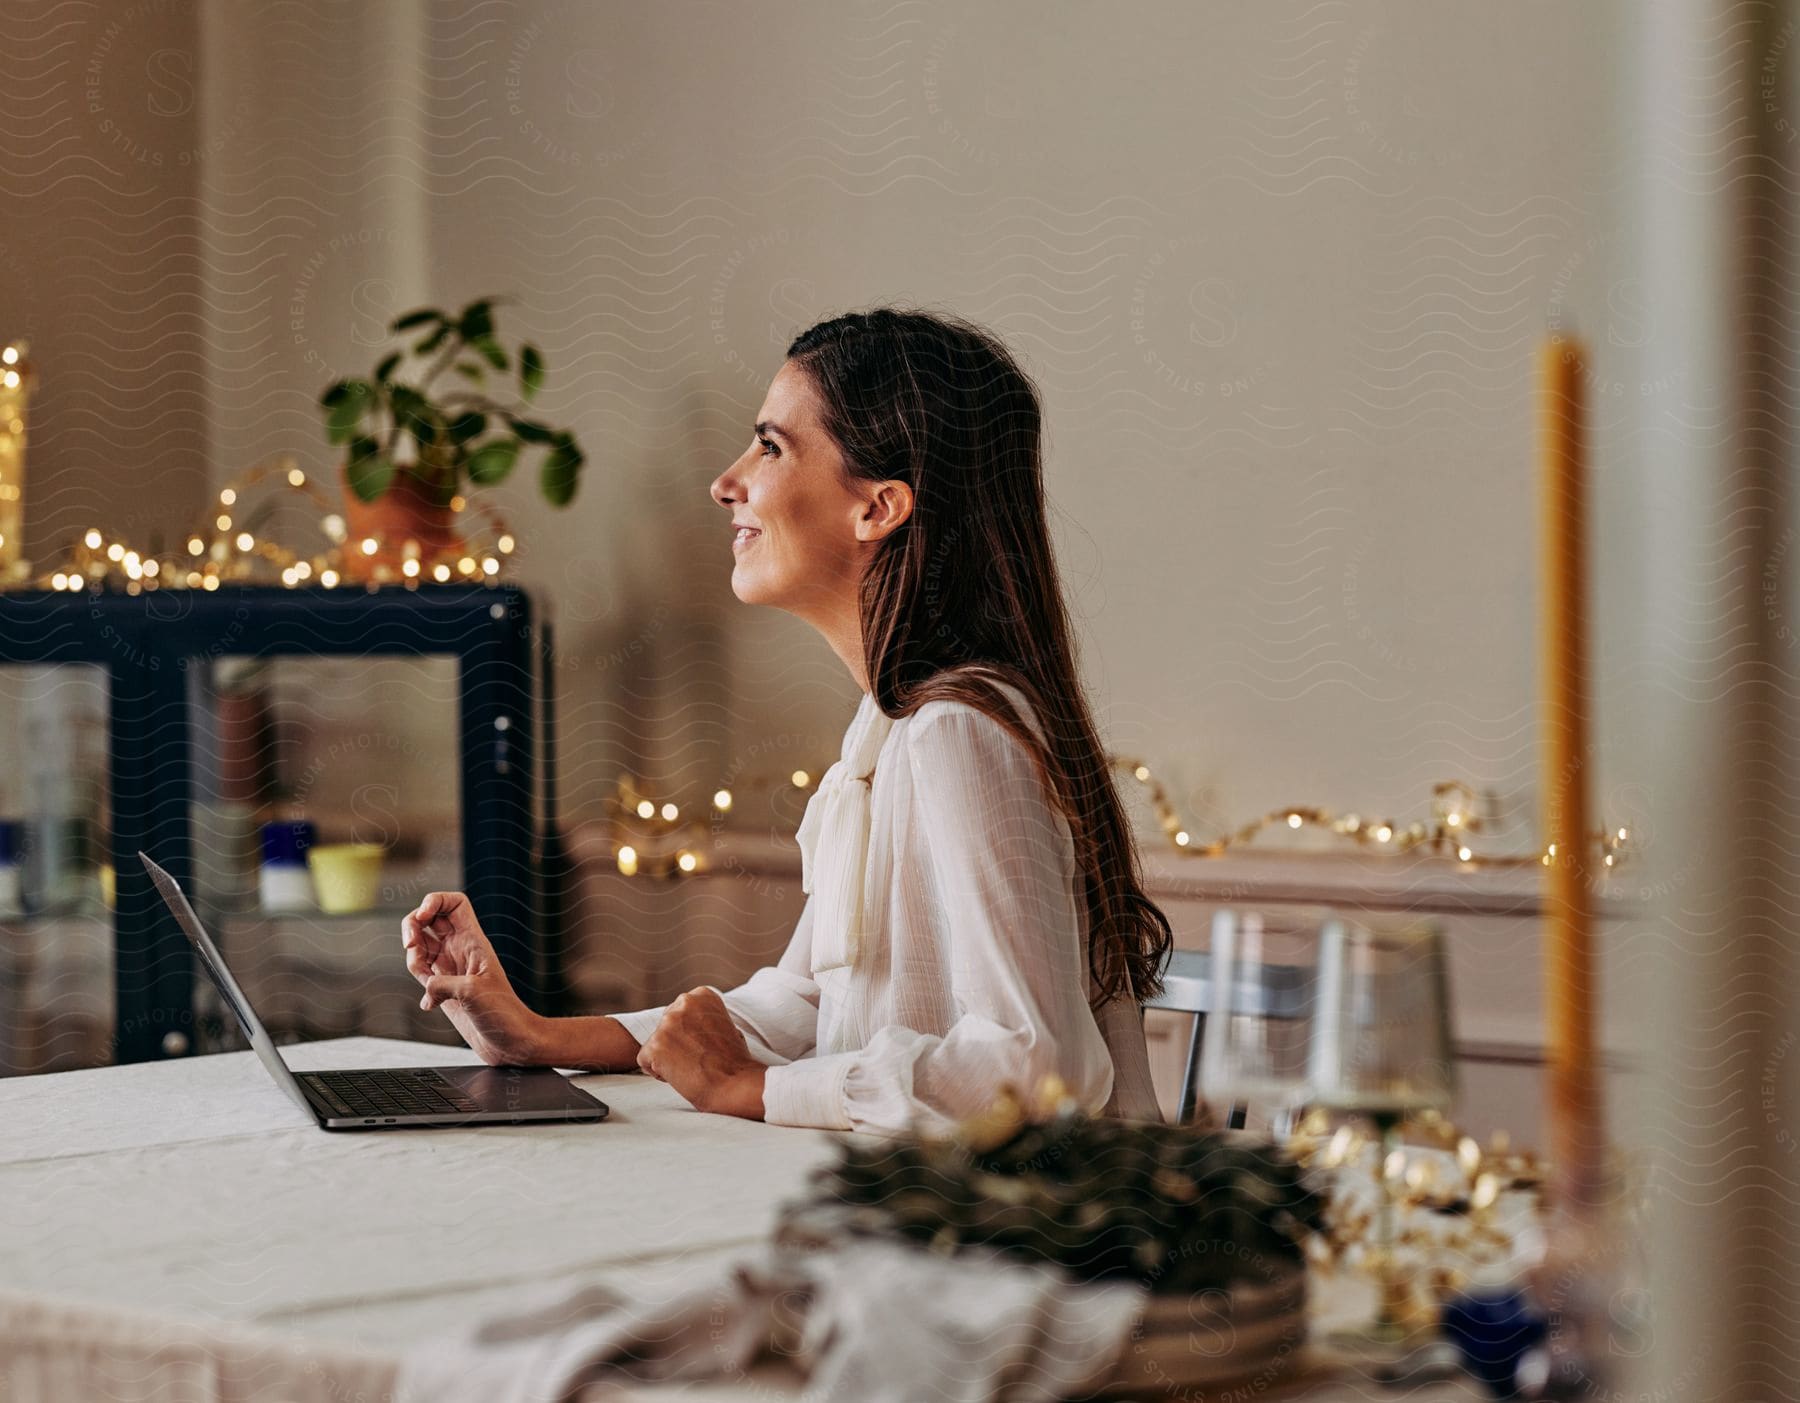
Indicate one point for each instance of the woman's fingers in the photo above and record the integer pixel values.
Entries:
(430, 906)
(444, 910)
(441, 936)
(421, 947)
(440, 987)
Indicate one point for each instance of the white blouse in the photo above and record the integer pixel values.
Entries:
(969, 966)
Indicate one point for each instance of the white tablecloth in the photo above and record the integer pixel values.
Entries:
(164, 1217)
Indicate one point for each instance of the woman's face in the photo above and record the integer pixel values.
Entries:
(795, 516)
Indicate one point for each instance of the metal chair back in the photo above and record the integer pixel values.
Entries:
(1275, 992)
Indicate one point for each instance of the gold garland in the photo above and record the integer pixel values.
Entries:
(221, 549)
(1455, 817)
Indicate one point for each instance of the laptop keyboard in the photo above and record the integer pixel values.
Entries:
(392, 1093)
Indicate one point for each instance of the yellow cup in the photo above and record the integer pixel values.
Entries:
(347, 876)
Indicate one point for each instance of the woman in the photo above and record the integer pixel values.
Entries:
(974, 911)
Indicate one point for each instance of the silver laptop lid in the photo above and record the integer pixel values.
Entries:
(260, 1040)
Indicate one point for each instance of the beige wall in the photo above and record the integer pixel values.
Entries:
(1280, 271)
(100, 263)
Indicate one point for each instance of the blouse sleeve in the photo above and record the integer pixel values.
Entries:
(996, 859)
(776, 1009)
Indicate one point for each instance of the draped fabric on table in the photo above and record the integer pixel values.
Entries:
(872, 1322)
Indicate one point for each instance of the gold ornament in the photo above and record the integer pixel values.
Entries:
(1461, 1209)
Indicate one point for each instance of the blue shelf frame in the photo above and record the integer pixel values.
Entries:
(150, 644)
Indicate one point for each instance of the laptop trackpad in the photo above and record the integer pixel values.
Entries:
(517, 1089)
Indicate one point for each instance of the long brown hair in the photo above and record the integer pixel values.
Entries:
(968, 587)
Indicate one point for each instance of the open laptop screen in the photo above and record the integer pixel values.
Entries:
(214, 963)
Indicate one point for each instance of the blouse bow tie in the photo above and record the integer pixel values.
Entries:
(834, 841)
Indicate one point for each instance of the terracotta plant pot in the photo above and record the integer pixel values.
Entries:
(246, 731)
(410, 510)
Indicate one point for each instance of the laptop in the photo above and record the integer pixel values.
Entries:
(389, 1098)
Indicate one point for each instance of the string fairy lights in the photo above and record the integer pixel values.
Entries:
(16, 382)
(651, 838)
(1450, 832)
(663, 840)
(226, 547)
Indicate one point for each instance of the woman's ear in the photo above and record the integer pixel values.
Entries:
(885, 512)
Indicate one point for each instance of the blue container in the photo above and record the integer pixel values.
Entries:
(284, 844)
(1493, 1331)
(12, 841)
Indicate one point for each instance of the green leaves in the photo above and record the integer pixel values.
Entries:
(560, 470)
(489, 350)
(369, 473)
(1178, 1210)
(425, 316)
(476, 322)
(417, 415)
(491, 463)
(345, 404)
(530, 431)
(460, 432)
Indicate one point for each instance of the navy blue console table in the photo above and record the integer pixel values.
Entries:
(151, 643)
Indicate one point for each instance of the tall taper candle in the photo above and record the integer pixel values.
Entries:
(1568, 955)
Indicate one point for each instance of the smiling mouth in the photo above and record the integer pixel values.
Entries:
(745, 535)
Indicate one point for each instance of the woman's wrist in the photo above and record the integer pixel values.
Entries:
(597, 1044)
(743, 1093)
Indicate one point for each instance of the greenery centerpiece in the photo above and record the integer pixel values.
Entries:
(414, 440)
(1178, 1210)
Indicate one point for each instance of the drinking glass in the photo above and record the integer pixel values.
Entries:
(1381, 1048)
(1255, 1047)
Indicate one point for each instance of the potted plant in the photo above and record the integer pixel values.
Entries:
(410, 445)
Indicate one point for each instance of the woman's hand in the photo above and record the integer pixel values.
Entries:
(699, 1051)
(448, 953)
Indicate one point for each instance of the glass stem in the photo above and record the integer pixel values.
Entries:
(1387, 1314)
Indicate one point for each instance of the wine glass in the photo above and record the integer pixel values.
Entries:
(1381, 1048)
(1255, 1047)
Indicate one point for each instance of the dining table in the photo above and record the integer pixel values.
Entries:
(180, 1232)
